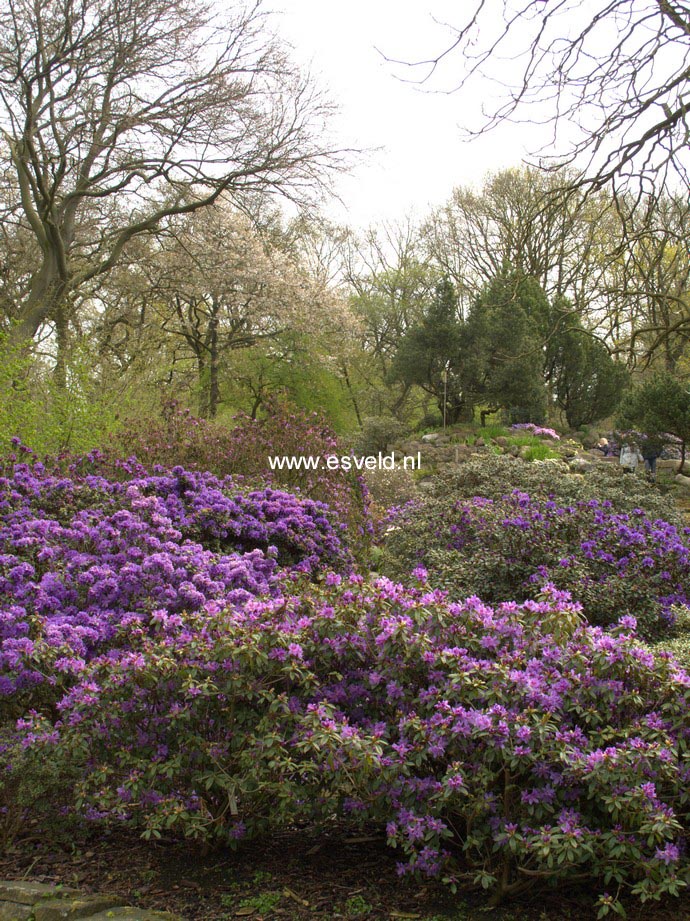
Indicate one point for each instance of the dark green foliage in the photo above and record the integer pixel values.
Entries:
(587, 383)
(503, 359)
(660, 405)
(429, 353)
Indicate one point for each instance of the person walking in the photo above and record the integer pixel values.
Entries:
(630, 456)
(652, 447)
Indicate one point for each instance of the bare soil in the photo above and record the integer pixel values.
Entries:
(304, 875)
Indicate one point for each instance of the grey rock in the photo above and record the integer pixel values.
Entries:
(13, 911)
(83, 907)
(682, 480)
(579, 464)
(127, 913)
(28, 893)
(461, 452)
(431, 438)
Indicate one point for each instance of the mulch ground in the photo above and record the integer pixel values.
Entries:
(298, 876)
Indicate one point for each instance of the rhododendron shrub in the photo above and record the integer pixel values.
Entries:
(244, 450)
(496, 476)
(86, 559)
(505, 746)
(539, 430)
(507, 548)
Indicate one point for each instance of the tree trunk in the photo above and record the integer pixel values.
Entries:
(213, 369)
(353, 398)
(46, 298)
(202, 377)
(60, 318)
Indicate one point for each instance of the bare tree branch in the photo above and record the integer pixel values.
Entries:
(612, 78)
(116, 114)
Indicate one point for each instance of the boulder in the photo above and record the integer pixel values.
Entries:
(13, 911)
(71, 909)
(579, 464)
(28, 893)
(567, 451)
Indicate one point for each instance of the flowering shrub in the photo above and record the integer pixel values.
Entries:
(494, 477)
(508, 548)
(86, 559)
(506, 746)
(538, 430)
(178, 438)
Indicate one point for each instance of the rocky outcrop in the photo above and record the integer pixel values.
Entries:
(21, 900)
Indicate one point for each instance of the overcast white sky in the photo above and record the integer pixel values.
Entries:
(424, 156)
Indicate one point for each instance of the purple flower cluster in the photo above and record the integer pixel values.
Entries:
(86, 559)
(538, 430)
(511, 743)
(614, 563)
(243, 450)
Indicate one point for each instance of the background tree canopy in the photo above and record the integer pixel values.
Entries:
(146, 149)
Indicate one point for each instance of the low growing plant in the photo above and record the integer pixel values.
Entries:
(86, 560)
(508, 746)
(508, 548)
(177, 438)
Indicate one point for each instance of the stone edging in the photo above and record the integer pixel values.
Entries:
(29, 901)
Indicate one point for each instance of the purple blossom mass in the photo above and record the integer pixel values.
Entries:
(85, 561)
(193, 657)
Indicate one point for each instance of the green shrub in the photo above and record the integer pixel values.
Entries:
(507, 548)
(178, 438)
(378, 433)
(47, 418)
(507, 747)
(494, 477)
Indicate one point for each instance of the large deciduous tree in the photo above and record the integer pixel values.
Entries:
(529, 219)
(391, 285)
(647, 319)
(115, 114)
(219, 286)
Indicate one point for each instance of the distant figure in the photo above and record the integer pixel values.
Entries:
(630, 457)
(652, 447)
(603, 445)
